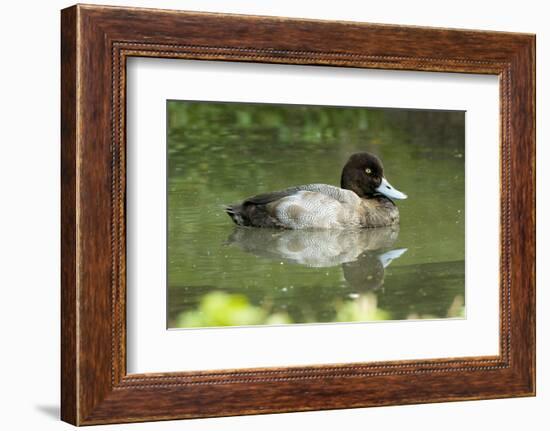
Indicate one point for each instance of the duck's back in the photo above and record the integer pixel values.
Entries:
(329, 207)
(308, 206)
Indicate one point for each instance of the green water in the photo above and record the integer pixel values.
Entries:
(223, 275)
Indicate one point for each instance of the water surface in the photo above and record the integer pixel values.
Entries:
(223, 275)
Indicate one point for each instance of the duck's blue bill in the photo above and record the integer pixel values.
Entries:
(388, 190)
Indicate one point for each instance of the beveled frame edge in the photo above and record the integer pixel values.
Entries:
(96, 41)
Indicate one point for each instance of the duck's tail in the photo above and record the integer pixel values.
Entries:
(236, 214)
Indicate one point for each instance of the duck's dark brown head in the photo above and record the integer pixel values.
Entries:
(364, 174)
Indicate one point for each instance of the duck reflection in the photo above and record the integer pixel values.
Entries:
(364, 254)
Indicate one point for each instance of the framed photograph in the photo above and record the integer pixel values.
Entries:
(264, 214)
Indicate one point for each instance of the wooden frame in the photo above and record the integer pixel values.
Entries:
(96, 41)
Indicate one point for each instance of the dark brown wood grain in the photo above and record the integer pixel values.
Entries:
(96, 41)
(68, 217)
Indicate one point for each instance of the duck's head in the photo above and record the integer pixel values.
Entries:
(364, 174)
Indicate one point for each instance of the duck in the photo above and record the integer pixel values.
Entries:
(365, 199)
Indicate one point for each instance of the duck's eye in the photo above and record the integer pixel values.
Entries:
(368, 171)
